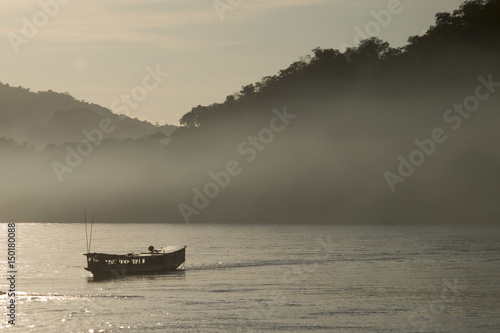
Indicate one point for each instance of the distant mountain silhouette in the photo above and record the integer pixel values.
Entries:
(47, 117)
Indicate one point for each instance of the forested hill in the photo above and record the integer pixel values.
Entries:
(45, 117)
(357, 114)
(460, 44)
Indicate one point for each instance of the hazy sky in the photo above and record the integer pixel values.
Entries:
(99, 50)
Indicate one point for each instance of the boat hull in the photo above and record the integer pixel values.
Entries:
(103, 265)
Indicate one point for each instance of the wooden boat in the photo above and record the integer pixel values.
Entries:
(104, 265)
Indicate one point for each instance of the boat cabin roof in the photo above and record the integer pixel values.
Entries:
(158, 252)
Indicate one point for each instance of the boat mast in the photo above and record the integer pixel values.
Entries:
(86, 233)
(88, 239)
(91, 227)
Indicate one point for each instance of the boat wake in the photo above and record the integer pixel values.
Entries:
(255, 263)
(292, 262)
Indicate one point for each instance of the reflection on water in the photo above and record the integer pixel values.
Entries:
(263, 279)
(178, 274)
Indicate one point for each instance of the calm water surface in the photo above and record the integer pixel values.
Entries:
(260, 279)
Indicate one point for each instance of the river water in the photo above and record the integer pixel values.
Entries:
(259, 279)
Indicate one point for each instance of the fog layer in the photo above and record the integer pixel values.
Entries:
(375, 135)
